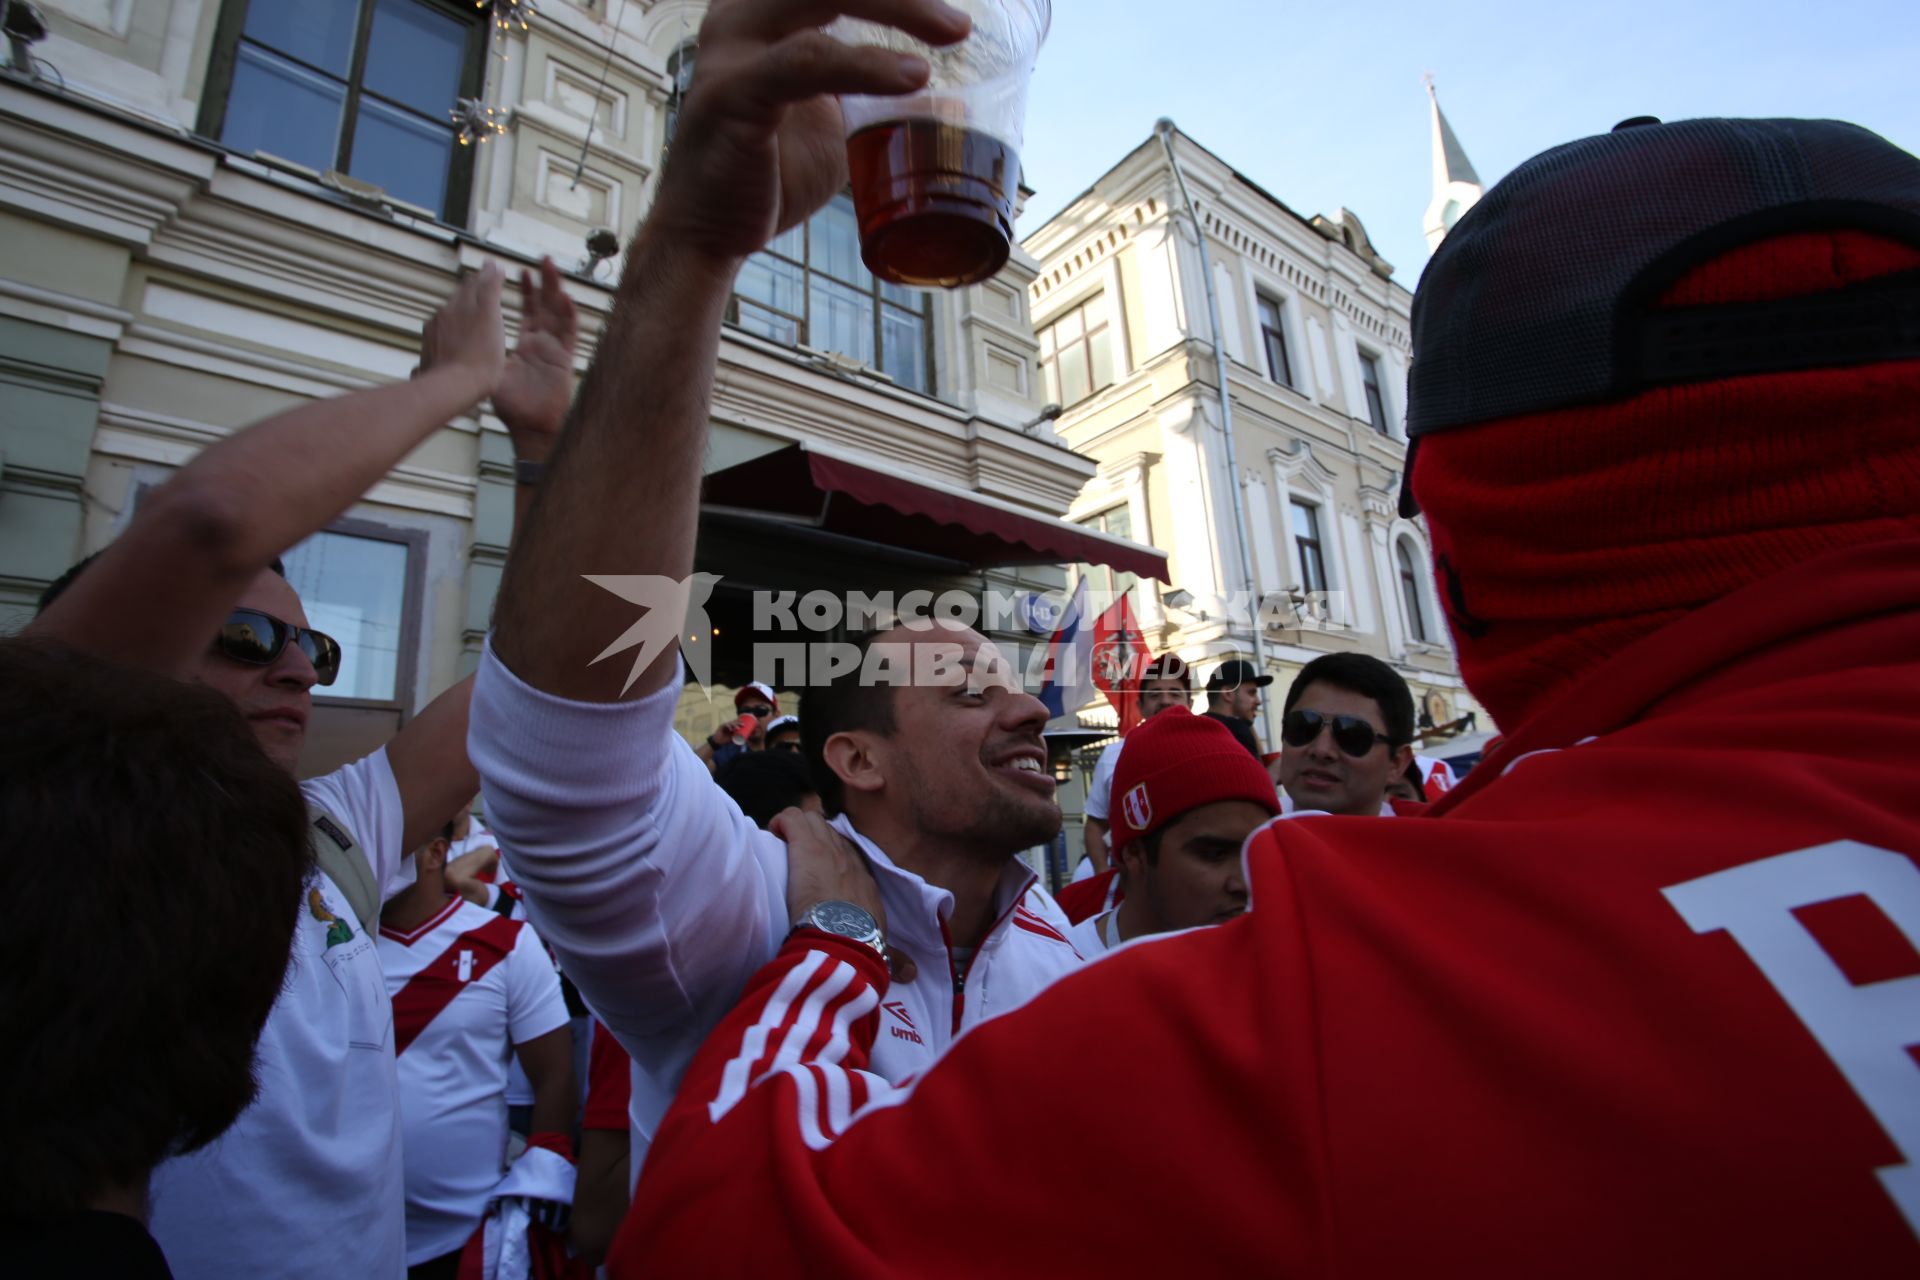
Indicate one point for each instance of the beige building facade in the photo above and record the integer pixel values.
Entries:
(212, 210)
(1311, 555)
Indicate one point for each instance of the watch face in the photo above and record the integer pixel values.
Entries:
(844, 919)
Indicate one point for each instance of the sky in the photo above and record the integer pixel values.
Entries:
(1323, 104)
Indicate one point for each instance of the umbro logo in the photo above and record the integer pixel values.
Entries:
(907, 1032)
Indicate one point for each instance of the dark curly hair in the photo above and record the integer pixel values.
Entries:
(152, 859)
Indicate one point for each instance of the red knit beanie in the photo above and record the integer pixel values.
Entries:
(1561, 537)
(1174, 763)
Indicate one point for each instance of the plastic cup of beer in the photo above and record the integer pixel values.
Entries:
(935, 172)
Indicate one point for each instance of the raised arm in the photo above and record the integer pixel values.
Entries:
(659, 897)
(204, 535)
(759, 147)
(535, 386)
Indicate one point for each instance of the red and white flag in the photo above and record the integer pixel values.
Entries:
(1120, 655)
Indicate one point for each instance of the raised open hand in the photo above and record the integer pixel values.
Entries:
(536, 387)
(466, 335)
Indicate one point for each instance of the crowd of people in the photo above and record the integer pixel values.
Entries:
(1636, 996)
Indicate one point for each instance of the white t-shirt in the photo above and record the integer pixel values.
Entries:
(307, 1184)
(467, 986)
(519, 1088)
(1101, 788)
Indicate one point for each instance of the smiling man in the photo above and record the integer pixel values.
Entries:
(660, 897)
(1346, 735)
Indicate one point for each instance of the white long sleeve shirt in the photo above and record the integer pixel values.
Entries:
(661, 898)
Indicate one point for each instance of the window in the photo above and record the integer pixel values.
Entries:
(809, 286)
(1273, 336)
(1076, 353)
(679, 80)
(1306, 538)
(359, 86)
(1104, 583)
(361, 583)
(1410, 592)
(355, 589)
(1370, 380)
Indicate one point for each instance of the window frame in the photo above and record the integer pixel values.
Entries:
(679, 67)
(457, 204)
(412, 603)
(804, 323)
(1044, 363)
(1269, 336)
(1097, 522)
(1410, 602)
(1302, 544)
(1373, 390)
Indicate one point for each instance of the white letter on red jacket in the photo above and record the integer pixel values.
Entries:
(1864, 1029)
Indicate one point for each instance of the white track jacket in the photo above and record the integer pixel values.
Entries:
(662, 899)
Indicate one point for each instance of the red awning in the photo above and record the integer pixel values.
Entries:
(826, 492)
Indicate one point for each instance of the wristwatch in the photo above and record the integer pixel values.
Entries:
(527, 471)
(844, 920)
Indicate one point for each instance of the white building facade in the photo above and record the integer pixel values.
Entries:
(1315, 336)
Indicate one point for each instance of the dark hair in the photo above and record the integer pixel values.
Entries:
(763, 783)
(1370, 678)
(155, 860)
(59, 585)
(1416, 780)
(446, 832)
(842, 705)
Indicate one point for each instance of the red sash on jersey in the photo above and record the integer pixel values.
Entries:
(434, 987)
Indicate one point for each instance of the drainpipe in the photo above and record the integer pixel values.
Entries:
(1165, 129)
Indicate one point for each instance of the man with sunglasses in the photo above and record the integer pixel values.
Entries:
(1346, 735)
(754, 699)
(308, 1182)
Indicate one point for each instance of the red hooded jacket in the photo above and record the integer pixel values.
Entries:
(1639, 997)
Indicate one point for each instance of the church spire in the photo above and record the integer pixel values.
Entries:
(1456, 187)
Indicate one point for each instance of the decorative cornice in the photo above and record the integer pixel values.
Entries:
(1299, 460)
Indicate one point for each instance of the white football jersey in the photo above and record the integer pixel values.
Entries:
(467, 986)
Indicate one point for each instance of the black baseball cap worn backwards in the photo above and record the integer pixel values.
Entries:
(1543, 296)
(1235, 672)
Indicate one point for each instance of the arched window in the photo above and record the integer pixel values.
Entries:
(1410, 591)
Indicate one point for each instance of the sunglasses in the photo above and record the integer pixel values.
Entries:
(257, 639)
(1351, 734)
(758, 713)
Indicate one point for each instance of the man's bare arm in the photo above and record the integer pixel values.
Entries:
(599, 1191)
(430, 765)
(759, 148)
(548, 1062)
(1093, 838)
(206, 533)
